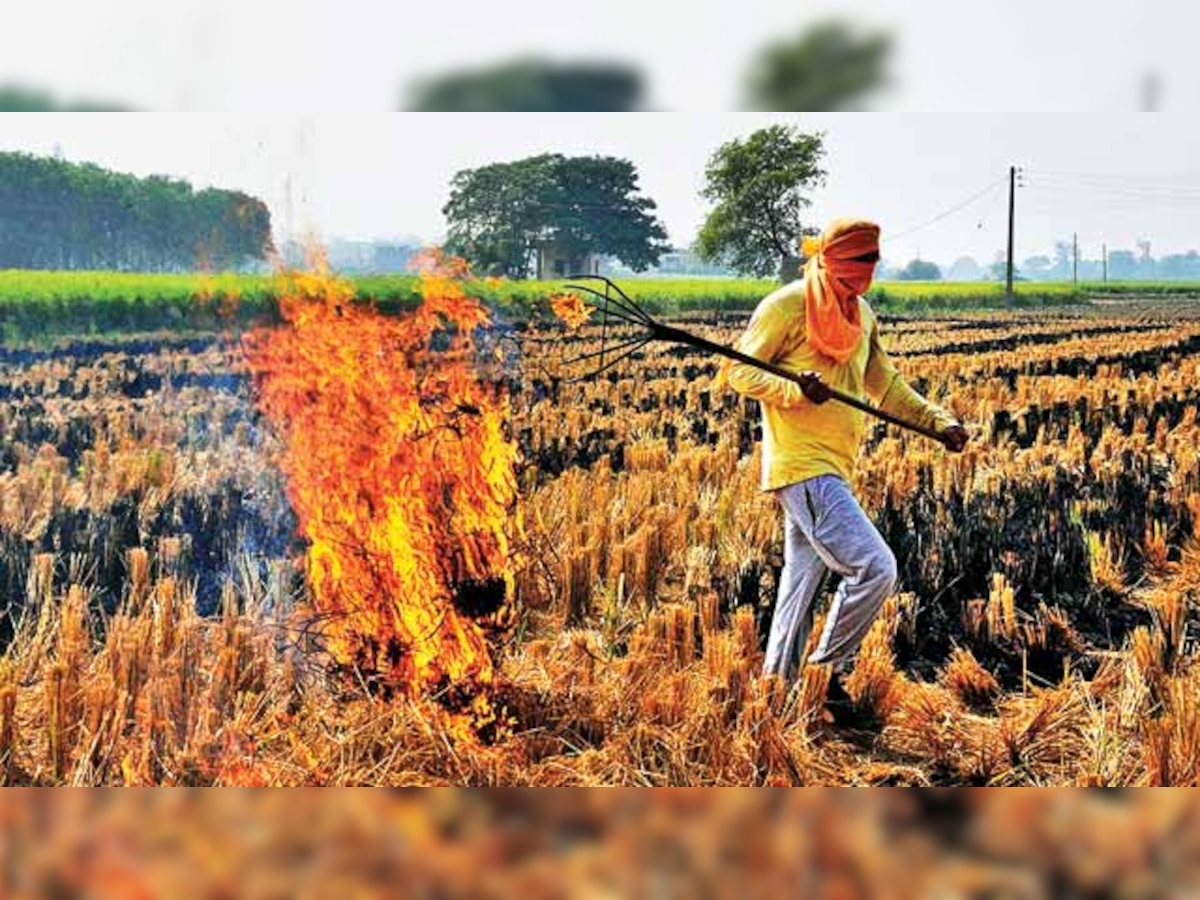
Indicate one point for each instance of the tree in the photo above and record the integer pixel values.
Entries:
(998, 270)
(62, 215)
(761, 189)
(965, 268)
(1038, 268)
(500, 215)
(533, 85)
(920, 270)
(1122, 265)
(885, 271)
(1181, 266)
(829, 67)
(496, 217)
(1064, 259)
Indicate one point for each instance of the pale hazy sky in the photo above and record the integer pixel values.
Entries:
(1115, 178)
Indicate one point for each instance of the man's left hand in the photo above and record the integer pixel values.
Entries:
(955, 438)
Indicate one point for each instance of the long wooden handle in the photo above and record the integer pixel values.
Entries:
(679, 336)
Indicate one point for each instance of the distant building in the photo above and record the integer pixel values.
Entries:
(350, 256)
(965, 268)
(672, 264)
(555, 262)
(356, 257)
(393, 257)
(685, 262)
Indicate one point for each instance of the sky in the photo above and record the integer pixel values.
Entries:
(936, 182)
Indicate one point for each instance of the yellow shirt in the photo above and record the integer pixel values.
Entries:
(802, 439)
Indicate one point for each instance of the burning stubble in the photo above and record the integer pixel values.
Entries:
(402, 477)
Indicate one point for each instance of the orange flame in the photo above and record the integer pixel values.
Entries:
(571, 309)
(402, 475)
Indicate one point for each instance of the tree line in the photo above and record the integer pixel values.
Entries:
(1122, 265)
(56, 214)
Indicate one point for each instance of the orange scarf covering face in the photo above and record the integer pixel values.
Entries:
(833, 281)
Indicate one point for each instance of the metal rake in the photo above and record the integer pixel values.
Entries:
(619, 307)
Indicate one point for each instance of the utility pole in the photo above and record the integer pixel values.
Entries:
(1012, 205)
(1075, 258)
(1104, 257)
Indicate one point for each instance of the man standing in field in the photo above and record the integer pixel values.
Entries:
(821, 327)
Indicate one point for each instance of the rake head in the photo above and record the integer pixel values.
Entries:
(625, 328)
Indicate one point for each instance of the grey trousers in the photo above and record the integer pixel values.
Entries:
(826, 530)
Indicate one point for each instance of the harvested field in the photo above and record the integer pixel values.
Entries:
(160, 623)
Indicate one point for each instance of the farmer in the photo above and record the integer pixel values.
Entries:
(820, 326)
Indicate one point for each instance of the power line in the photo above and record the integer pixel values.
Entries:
(1047, 203)
(1113, 191)
(1055, 193)
(963, 204)
(1165, 181)
(1120, 188)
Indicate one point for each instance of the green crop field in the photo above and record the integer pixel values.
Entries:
(39, 303)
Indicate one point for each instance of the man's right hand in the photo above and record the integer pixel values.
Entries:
(815, 390)
(955, 438)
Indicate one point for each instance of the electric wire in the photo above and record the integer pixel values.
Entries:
(946, 213)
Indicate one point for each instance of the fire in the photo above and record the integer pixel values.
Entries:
(571, 309)
(401, 473)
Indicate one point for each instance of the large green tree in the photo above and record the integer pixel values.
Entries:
(761, 188)
(501, 214)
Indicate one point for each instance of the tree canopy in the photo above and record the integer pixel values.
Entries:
(61, 215)
(920, 270)
(761, 187)
(501, 214)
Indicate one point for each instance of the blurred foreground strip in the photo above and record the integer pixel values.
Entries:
(18, 98)
(623, 842)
